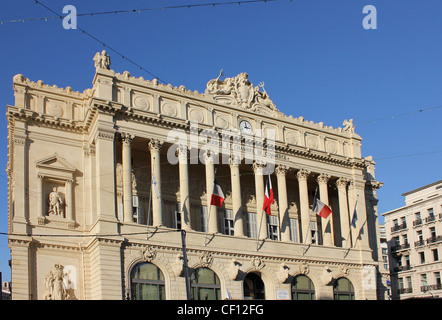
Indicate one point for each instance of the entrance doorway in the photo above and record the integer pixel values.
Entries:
(253, 287)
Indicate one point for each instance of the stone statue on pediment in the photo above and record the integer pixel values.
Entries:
(102, 60)
(239, 91)
(348, 126)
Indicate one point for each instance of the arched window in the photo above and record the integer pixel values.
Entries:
(147, 282)
(343, 289)
(303, 288)
(253, 287)
(205, 285)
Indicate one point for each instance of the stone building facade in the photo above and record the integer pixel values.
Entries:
(101, 181)
(414, 237)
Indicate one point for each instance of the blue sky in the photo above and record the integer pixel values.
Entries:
(316, 59)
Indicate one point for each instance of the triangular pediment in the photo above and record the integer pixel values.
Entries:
(55, 162)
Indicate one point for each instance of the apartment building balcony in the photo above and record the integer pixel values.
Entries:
(405, 290)
(419, 243)
(399, 227)
(402, 268)
(434, 239)
(400, 247)
(431, 287)
(417, 222)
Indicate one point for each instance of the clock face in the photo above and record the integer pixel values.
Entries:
(245, 127)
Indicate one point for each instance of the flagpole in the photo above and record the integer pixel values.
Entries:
(259, 231)
(208, 212)
(207, 223)
(351, 223)
(150, 202)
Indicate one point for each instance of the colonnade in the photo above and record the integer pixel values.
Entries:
(155, 145)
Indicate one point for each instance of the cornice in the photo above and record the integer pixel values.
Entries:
(248, 256)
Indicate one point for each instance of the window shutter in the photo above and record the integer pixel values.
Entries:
(252, 226)
(294, 230)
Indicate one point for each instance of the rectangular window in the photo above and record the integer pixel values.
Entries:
(228, 222)
(407, 260)
(422, 257)
(204, 227)
(401, 283)
(433, 232)
(404, 222)
(176, 217)
(273, 227)
(314, 232)
(420, 236)
(435, 255)
(430, 212)
(409, 284)
(252, 225)
(294, 230)
(137, 210)
(424, 279)
(437, 278)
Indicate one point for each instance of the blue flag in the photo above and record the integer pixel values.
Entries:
(355, 217)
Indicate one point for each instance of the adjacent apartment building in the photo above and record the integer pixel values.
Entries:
(414, 235)
(100, 181)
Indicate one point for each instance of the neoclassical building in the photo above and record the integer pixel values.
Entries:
(102, 181)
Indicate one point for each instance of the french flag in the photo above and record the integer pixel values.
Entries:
(217, 195)
(321, 208)
(268, 196)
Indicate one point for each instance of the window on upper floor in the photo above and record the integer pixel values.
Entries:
(422, 256)
(435, 255)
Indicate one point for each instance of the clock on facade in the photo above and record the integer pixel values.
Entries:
(245, 127)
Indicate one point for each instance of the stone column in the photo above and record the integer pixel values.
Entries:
(261, 218)
(105, 180)
(184, 187)
(210, 178)
(236, 196)
(69, 203)
(284, 218)
(302, 176)
(342, 183)
(327, 224)
(155, 148)
(127, 177)
(40, 200)
(20, 165)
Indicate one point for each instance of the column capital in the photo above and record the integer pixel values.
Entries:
(342, 182)
(155, 144)
(258, 167)
(323, 178)
(182, 151)
(235, 160)
(209, 156)
(282, 170)
(127, 138)
(302, 174)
